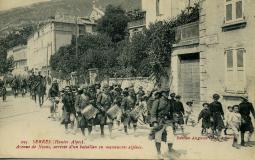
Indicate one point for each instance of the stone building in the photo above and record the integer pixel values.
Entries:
(216, 54)
(19, 54)
(54, 34)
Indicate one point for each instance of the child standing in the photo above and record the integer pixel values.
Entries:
(205, 115)
(235, 123)
(230, 110)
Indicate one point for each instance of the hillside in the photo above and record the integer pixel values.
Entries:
(21, 16)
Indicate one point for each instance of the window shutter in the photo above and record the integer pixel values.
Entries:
(239, 9)
(230, 71)
(228, 12)
(240, 72)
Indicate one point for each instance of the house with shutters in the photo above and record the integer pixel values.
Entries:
(216, 54)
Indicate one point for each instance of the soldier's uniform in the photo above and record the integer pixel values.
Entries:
(245, 108)
(127, 105)
(104, 102)
(81, 102)
(162, 118)
(68, 108)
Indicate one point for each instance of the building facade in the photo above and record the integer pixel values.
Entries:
(19, 55)
(58, 32)
(216, 54)
(153, 11)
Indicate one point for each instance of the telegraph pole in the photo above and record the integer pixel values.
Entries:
(76, 38)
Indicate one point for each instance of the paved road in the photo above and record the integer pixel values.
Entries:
(22, 123)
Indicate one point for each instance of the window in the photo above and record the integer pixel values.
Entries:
(234, 10)
(235, 72)
(157, 7)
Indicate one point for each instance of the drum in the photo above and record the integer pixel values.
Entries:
(89, 112)
(113, 111)
(135, 113)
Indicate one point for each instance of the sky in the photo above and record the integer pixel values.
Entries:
(9, 4)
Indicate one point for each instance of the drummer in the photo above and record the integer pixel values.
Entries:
(104, 102)
(128, 103)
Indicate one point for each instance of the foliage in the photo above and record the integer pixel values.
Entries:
(146, 53)
(15, 38)
(113, 23)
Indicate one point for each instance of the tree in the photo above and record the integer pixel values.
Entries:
(15, 38)
(113, 23)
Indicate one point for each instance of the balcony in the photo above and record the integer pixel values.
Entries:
(187, 34)
(136, 23)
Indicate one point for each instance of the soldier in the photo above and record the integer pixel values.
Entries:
(15, 86)
(162, 118)
(23, 87)
(178, 112)
(140, 93)
(104, 102)
(127, 105)
(3, 90)
(82, 101)
(245, 109)
(68, 108)
(40, 87)
(31, 82)
(217, 115)
(52, 95)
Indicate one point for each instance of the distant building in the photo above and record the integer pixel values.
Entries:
(19, 55)
(216, 54)
(56, 33)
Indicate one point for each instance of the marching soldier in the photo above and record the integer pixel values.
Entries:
(104, 102)
(162, 118)
(3, 90)
(127, 105)
(140, 93)
(68, 108)
(52, 95)
(82, 101)
(245, 109)
(217, 116)
(32, 82)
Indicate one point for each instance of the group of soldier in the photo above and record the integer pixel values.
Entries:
(96, 105)
(35, 84)
(164, 112)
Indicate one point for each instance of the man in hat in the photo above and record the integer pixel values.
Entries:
(68, 108)
(217, 116)
(127, 105)
(32, 82)
(104, 102)
(52, 95)
(245, 108)
(140, 93)
(82, 101)
(162, 119)
(178, 112)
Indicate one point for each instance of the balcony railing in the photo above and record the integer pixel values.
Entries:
(187, 32)
(136, 23)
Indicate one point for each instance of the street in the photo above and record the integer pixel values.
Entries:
(23, 123)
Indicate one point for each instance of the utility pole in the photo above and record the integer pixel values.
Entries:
(76, 38)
